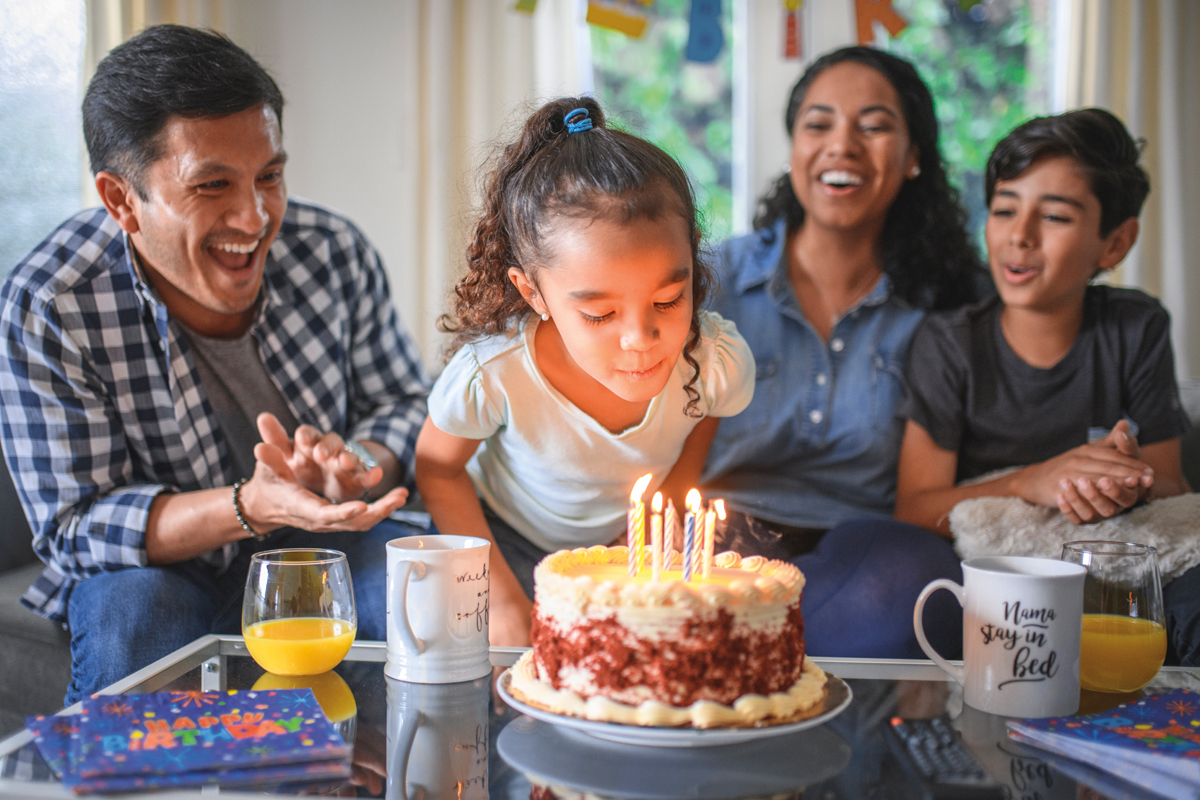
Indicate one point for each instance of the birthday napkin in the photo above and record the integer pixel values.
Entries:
(175, 739)
(1153, 742)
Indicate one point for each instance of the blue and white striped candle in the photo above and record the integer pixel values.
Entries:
(690, 549)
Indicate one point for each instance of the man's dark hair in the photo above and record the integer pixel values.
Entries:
(1097, 141)
(165, 71)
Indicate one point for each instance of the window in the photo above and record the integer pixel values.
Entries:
(41, 51)
(989, 70)
(684, 107)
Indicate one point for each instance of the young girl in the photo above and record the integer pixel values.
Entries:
(581, 359)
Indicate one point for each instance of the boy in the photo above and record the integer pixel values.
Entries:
(1069, 386)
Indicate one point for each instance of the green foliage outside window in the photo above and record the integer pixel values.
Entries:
(648, 88)
(987, 67)
(986, 63)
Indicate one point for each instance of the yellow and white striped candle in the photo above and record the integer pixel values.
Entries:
(635, 534)
(716, 509)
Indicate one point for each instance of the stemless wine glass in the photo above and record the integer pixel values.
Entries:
(298, 614)
(1124, 631)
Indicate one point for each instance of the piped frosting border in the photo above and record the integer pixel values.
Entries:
(747, 710)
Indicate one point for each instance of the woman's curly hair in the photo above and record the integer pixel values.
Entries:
(924, 244)
(546, 175)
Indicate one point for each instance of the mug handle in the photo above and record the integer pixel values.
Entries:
(398, 771)
(406, 570)
(955, 671)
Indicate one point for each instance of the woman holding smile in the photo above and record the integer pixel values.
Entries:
(852, 245)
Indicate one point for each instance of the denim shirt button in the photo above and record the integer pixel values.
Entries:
(821, 379)
(816, 416)
(836, 345)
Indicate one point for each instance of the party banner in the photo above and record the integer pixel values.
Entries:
(869, 12)
(793, 47)
(627, 16)
(705, 37)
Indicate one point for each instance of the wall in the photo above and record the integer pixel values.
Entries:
(767, 79)
(392, 105)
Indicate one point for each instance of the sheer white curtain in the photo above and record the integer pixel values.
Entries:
(1141, 60)
(392, 105)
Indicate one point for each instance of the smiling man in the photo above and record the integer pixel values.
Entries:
(200, 370)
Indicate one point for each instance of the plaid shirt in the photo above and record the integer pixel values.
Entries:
(102, 408)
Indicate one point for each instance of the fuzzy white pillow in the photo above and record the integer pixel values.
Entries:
(1009, 526)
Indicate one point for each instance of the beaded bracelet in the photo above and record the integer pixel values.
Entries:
(237, 511)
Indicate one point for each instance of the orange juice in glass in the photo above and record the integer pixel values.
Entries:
(298, 615)
(1124, 634)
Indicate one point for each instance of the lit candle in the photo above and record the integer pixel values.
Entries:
(656, 538)
(689, 534)
(636, 528)
(710, 524)
(668, 534)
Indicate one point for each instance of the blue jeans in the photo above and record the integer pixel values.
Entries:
(125, 620)
(862, 581)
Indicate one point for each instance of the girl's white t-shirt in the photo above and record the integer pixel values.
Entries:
(551, 471)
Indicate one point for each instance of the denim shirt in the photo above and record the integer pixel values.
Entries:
(820, 442)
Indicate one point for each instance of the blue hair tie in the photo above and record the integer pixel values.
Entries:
(583, 124)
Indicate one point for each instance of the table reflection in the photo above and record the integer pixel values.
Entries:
(437, 740)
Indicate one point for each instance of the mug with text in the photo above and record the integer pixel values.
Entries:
(1022, 619)
(437, 609)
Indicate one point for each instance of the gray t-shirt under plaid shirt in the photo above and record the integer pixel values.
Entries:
(238, 389)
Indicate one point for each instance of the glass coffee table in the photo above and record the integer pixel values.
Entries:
(460, 740)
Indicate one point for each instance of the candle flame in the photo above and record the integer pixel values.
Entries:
(639, 488)
(719, 505)
(693, 501)
(656, 504)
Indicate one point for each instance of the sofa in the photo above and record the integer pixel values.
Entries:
(35, 653)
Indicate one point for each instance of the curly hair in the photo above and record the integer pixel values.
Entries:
(1094, 138)
(548, 174)
(924, 244)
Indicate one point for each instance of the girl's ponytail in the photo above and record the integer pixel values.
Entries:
(485, 300)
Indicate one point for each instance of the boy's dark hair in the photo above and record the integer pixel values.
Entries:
(926, 251)
(1094, 138)
(549, 173)
(165, 71)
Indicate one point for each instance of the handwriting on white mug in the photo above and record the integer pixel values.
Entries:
(480, 612)
(1029, 626)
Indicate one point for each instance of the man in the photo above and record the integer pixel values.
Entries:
(151, 343)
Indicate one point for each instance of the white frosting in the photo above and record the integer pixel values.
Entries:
(593, 582)
(747, 710)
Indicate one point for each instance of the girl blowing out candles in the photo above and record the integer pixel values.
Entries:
(581, 360)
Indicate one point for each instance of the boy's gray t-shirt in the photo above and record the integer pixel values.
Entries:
(979, 399)
(239, 389)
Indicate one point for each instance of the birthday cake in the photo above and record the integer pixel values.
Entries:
(725, 650)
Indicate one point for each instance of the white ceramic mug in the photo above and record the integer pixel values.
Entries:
(1022, 622)
(437, 742)
(437, 609)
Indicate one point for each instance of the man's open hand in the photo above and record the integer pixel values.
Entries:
(311, 483)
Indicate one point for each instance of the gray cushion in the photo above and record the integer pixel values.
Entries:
(35, 654)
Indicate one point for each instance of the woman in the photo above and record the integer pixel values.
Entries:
(853, 243)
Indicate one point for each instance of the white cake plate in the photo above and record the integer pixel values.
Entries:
(837, 698)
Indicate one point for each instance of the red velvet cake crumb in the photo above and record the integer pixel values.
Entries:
(705, 660)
